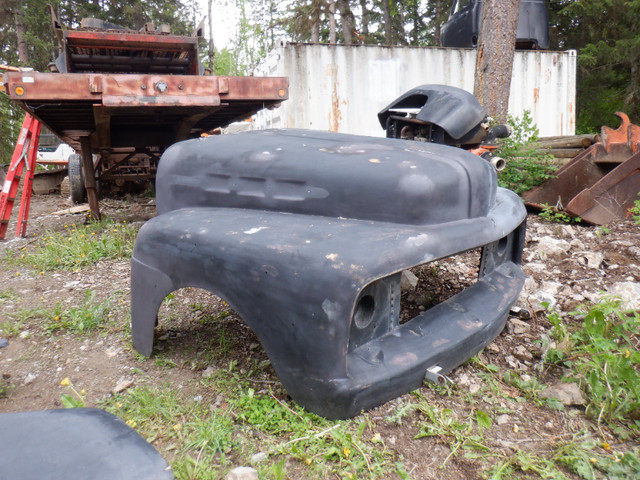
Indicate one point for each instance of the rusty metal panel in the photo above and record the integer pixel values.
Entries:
(342, 88)
(38, 86)
(600, 184)
(129, 52)
(123, 109)
(611, 197)
(545, 84)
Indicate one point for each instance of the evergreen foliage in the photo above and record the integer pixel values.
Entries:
(604, 32)
(27, 38)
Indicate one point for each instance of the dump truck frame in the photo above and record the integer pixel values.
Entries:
(120, 98)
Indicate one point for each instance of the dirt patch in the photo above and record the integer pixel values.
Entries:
(566, 265)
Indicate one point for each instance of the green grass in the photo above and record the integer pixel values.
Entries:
(346, 449)
(465, 434)
(4, 388)
(86, 317)
(78, 246)
(581, 456)
(195, 437)
(552, 214)
(10, 328)
(529, 464)
(204, 442)
(635, 211)
(602, 356)
(8, 296)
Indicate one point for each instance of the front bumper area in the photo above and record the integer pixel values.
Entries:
(325, 299)
(305, 235)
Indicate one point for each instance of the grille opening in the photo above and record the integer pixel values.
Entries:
(439, 281)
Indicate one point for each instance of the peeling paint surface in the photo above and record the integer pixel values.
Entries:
(323, 77)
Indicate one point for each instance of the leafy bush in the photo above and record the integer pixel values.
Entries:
(527, 166)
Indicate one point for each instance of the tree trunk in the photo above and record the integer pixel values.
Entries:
(438, 24)
(414, 16)
(348, 21)
(365, 21)
(315, 32)
(212, 50)
(496, 47)
(332, 21)
(316, 10)
(388, 27)
(23, 49)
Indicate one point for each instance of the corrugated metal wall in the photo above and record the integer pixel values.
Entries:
(342, 88)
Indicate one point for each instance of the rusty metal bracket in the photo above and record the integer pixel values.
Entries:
(601, 183)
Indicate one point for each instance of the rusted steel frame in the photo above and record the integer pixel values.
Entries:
(611, 196)
(115, 51)
(112, 163)
(600, 184)
(144, 89)
(610, 135)
(616, 154)
(130, 41)
(200, 95)
(118, 59)
(90, 177)
(120, 63)
(627, 133)
(129, 176)
(581, 172)
(102, 120)
(183, 129)
(111, 171)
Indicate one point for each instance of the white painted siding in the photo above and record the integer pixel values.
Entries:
(342, 88)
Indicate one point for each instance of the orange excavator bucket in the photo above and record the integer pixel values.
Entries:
(600, 184)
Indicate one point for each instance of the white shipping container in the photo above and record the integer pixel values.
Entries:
(342, 88)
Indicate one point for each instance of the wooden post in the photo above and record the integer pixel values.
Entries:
(90, 177)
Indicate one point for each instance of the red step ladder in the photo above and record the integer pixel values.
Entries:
(24, 155)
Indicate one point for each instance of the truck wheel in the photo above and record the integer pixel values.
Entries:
(76, 179)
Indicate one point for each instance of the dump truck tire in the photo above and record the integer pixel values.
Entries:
(76, 179)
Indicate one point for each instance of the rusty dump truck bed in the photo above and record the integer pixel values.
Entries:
(121, 97)
(139, 89)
